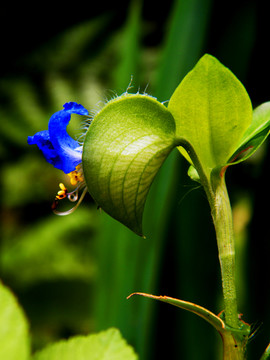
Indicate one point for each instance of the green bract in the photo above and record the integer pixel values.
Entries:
(125, 146)
(255, 135)
(209, 118)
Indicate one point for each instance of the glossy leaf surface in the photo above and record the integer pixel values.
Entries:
(14, 337)
(125, 146)
(212, 110)
(106, 345)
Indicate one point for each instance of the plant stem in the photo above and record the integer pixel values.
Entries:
(235, 332)
(235, 336)
(216, 191)
(233, 350)
(222, 216)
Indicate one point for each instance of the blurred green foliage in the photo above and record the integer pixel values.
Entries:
(14, 332)
(72, 274)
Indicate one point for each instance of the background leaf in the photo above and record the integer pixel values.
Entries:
(126, 144)
(266, 354)
(212, 110)
(106, 345)
(14, 337)
(66, 255)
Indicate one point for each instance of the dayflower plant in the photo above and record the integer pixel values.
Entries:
(63, 152)
(209, 119)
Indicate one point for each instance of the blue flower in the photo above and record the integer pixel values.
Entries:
(58, 148)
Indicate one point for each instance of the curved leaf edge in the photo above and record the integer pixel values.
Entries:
(266, 354)
(202, 312)
(253, 139)
(208, 61)
(11, 310)
(85, 345)
(245, 151)
(165, 150)
(229, 335)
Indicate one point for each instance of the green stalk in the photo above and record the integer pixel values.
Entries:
(236, 332)
(216, 191)
(233, 349)
(222, 217)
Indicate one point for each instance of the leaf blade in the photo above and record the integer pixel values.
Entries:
(105, 345)
(14, 336)
(212, 111)
(255, 135)
(207, 315)
(266, 354)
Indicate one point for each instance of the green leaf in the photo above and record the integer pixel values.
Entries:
(53, 258)
(266, 354)
(183, 43)
(14, 338)
(106, 345)
(232, 338)
(207, 315)
(212, 110)
(255, 135)
(193, 174)
(125, 146)
(128, 46)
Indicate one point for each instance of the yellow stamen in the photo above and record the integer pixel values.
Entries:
(61, 194)
(62, 186)
(76, 175)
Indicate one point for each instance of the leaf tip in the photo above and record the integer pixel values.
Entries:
(137, 293)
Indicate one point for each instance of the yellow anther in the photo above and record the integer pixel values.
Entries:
(61, 194)
(62, 186)
(73, 179)
(76, 175)
(76, 178)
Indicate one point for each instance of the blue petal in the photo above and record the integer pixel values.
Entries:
(42, 140)
(75, 108)
(57, 146)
